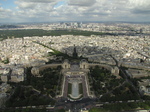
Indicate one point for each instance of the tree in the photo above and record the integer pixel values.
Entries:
(97, 110)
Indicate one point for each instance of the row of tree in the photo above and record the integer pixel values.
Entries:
(118, 107)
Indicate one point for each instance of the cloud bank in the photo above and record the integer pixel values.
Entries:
(77, 10)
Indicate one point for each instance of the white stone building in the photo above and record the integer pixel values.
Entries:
(144, 87)
(17, 74)
(6, 74)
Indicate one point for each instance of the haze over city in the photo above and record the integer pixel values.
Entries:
(18, 11)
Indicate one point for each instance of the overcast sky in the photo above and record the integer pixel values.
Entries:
(74, 10)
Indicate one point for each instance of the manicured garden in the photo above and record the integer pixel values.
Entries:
(102, 80)
(36, 90)
(26, 96)
(108, 88)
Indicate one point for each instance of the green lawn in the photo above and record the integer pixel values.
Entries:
(80, 88)
(69, 88)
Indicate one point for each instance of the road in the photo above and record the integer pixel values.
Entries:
(76, 106)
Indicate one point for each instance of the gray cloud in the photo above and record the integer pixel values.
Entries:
(141, 11)
(38, 1)
(25, 5)
(80, 10)
(81, 2)
(5, 13)
(140, 6)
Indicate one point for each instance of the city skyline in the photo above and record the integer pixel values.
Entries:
(17, 11)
